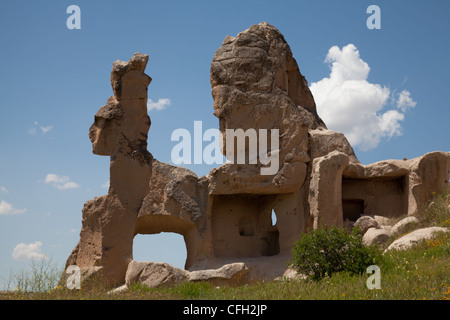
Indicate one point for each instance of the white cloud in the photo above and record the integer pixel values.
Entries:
(46, 129)
(161, 104)
(106, 185)
(34, 130)
(7, 209)
(24, 251)
(348, 103)
(3, 189)
(404, 101)
(60, 182)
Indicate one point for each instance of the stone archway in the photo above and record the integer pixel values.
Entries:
(168, 247)
(157, 223)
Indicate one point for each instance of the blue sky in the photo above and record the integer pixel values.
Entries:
(53, 80)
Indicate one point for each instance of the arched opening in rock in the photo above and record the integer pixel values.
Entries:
(162, 247)
(271, 240)
(176, 239)
(274, 218)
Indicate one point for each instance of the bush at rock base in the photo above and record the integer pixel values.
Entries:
(322, 252)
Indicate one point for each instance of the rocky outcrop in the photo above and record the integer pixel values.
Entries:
(281, 160)
(256, 84)
(119, 131)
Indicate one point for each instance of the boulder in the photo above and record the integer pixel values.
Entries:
(382, 221)
(387, 228)
(403, 224)
(233, 273)
(365, 223)
(158, 274)
(413, 238)
(154, 274)
(374, 236)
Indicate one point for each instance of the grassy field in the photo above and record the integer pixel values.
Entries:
(419, 273)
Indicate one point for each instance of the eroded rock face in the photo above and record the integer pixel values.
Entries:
(120, 131)
(325, 196)
(256, 84)
(226, 217)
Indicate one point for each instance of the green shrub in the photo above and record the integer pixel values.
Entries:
(322, 252)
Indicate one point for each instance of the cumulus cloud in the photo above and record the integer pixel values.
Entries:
(350, 104)
(3, 189)
(60, 182)
(161, 104)
(30, 251)
(404, 101)
(8, 209)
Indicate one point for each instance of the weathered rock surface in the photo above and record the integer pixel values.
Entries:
(234, 273)
(120, 131)
(256, 84)
(325, 196)
(382, 221)
(156, 274)
(323, 141)
(413, 238)
(374, 236)
(225, 217)
(365, 222)
(404, 224)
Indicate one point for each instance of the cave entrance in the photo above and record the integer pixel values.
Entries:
(244, 225)
(383, 196)
(352, 209)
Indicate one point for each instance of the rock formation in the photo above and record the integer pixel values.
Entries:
(119, 131)
(225, 217)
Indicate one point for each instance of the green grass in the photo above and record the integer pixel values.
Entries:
(422, 272)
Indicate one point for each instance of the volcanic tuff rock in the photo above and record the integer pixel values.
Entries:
(415, 237)
(225, 217)
(158, 274)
